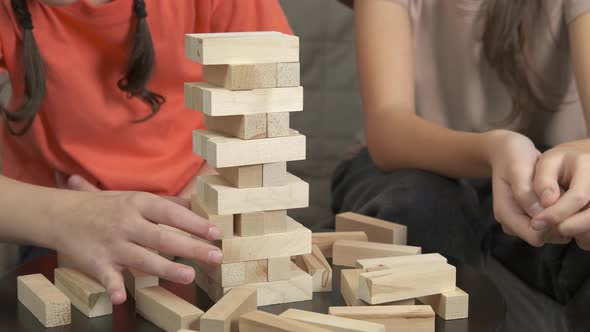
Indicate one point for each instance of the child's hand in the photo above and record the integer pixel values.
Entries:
(104, 232)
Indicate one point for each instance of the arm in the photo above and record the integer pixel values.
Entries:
(396, 137)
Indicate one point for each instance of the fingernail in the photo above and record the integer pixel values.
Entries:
(539, 225)
(536, 208)
(74, 180)
(214, 233)
(215, 257)
(185, 274)
(546, 194)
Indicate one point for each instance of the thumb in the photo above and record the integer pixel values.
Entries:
(76, 182)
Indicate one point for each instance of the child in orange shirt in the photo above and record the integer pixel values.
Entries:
(98, 92)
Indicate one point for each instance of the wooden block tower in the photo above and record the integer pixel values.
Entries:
(251, 83)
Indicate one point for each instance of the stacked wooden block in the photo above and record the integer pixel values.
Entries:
(251, 85)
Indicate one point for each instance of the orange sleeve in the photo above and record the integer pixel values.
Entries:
(251, 15)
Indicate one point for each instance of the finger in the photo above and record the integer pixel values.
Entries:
(521, 183)
(60, 180)
(546, 180)
(162, 211)
(583, 241)
(149, 262)
(185, 203)
(575, 225)
(511, 216)
(162, 240)
(76, 182)
(572, 201)
(112, 280)
(555, 237)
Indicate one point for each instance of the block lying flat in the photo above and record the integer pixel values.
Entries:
(258, 321)
(274, 174)
(220, 197)
(318, 267)
(406, 282)
(242, 47)
(450, 305)
(243, 176)
(399, 261)
(259, 223)
(349, 288)
(277, 124)
(222, 151)
(166, 310)
(224, 315)
(279, 268)
(47, 303)
(347, 252)
(135, 280)
(253, 76)
(377, 230)
(295, 241)
(248, 126)
(224, 222)
(216, 101)
(237, 274)
(85, 293)
(326, 240)
(333, 323)
(415, 318)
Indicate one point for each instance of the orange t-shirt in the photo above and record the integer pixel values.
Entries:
(84, 126)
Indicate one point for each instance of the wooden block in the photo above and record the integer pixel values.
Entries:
(221, 197)
(224, 315)
(349, 286)
(274, 174)
(47, 303)
(450, 305)
(377, 230)
(237, 274)
(243, 176)
(135, 280)
(166, 310)
(326, 240)
(415, 318)
(318, 267)
(85, 293)
(406, 282)
(347, 252)
(258, 321)
(247, 126)
(295, 241)
(297, 288)
(241, 48)
(288, 74)
(275, 221)
(249, 224)
(225, 223)
(399, 261)
(333, 323)
(279, 268)
(215, 101)
(221, 151)
(277, 124)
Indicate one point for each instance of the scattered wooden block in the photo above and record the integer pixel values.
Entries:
(406, 282)
(225, 223)
(377, 230)
(274, 174)
(166, 310)
(247, 126)
(241, 48)
(275, 221)
(349, 288)
(243, 176)
(333, 323)
(279, 268)
(215, 101)
(220, 197)
(222, 151)
(253, 76)
(47, 303)
(399, 261)
(258, 321)
(224, 315)
(295, 241)
(415, 318)
(347, 252)
(318, 267)
(277, 124)
(135, 280)
(249, 224)
(450, 305)
(297, 288)
(237, 274)
(85, 293)
(326, 240)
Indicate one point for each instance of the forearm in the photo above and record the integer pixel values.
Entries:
(401, 140)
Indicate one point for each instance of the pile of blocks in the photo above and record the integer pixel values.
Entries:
(251, 84)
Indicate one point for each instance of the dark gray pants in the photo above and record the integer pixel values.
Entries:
(455, 218)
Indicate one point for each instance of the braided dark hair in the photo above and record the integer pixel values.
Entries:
(139, 70)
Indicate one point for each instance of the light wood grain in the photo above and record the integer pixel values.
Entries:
(325, 240)
(249, 224)
(450, 305)
(166, 310)
(237, 274)
(275, 221)
(47, 303)
(253, 76)
(135, 280)
(333, 323)
(259, 321)
(274, 174)
(85, 293)
(349, 286)
(249, 126)
(347, 252)
(224, 315)
(377, 230)
(415, 318)
(318, 267)
(225, 223)
(243, 176)
(399, 261)
(288, 74)
(279, 268)
(277, 124)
